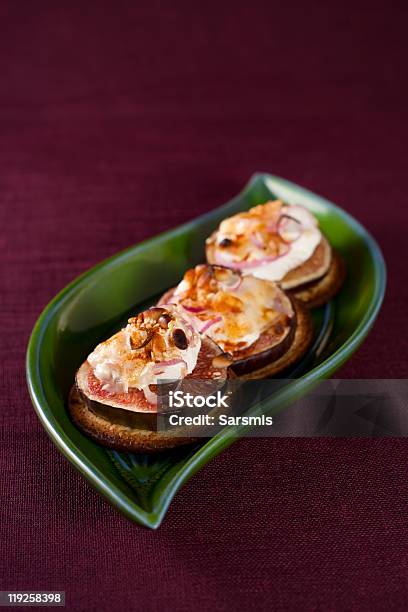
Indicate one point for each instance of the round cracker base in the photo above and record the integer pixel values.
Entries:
(319, 292)
(120, 437)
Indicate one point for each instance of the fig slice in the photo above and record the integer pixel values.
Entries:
(91, 391)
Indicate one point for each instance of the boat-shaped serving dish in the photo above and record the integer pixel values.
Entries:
(93, 305)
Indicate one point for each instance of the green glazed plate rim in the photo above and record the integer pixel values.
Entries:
(227, 436)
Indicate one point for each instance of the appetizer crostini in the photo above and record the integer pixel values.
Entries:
(282, 243)
(114, 399)
(261, 330)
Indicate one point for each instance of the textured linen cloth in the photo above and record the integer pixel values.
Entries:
(119, 120)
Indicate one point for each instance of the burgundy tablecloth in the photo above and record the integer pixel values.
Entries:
(119, 120)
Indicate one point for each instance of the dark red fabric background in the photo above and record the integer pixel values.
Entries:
(119, 120)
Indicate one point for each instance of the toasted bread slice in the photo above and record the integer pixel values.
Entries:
(116, 435)
(318, 292)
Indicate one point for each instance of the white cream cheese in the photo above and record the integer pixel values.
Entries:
(119, 367)
(235, 316)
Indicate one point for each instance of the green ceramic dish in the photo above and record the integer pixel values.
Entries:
(88, 309)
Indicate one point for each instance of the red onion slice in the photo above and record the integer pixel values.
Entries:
(303, 215)
(255, 263)
(289, 228)
(193, 308)
(209, 323)
(233, 286)
(160, 366)
(227, 278)
(257, 240)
